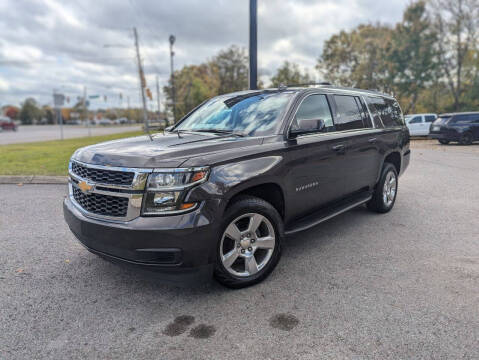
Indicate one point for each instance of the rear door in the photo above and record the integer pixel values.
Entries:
(475, 125)
(362, 155)
(416, 126)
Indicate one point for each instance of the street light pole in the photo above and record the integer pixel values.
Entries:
(173, 97)
(253, 45)
(158, 96)
(141, 74)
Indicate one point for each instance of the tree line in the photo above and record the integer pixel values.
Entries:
(429, 61)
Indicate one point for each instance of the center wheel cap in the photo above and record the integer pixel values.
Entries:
(245, 243)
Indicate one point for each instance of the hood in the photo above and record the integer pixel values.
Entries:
(169, 150)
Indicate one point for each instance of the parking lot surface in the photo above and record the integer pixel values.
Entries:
(402, 285)
(52, 132)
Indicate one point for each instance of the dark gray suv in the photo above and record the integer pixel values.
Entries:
(218, 192)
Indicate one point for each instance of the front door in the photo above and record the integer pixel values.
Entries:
(316, 162)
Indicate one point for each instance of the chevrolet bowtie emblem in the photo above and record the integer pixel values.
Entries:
(85, 187)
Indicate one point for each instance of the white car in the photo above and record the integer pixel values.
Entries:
(419, 124)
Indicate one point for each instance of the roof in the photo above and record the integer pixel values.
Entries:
(460, 113)
(312, 88)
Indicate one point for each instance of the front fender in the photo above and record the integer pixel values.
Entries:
(227, 180)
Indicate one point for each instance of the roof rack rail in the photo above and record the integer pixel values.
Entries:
(323, 83)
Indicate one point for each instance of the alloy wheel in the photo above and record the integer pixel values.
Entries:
(247, 244)
(389, 188)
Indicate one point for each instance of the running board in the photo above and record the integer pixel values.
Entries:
(325, 214)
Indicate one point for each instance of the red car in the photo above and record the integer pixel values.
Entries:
(7, 124)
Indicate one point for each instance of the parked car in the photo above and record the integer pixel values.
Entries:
(219, 191)
(7, 124)
(419, 124)
(105, 122)
(461, 127)
(122, 120)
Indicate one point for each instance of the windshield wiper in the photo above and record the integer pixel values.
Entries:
(221, 131)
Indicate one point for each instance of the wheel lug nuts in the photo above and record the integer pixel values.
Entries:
(252, 240)
(242, 251)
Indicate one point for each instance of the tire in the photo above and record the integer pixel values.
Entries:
(240, 260)
(443, 141)
(383, 201)
(466, 139)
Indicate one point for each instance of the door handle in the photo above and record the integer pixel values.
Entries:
(372, 140)
(339, 147)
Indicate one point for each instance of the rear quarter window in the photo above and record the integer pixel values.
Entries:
(387, 110)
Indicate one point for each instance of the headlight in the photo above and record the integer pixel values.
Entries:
(166, 190)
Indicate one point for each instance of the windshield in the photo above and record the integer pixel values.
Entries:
(442, 119)
(253, 114)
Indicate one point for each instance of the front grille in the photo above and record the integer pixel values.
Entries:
(99, 204)
(103, 176)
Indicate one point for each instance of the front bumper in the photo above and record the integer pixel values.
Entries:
(181, 248)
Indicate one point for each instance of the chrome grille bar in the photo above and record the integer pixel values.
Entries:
(133, 192)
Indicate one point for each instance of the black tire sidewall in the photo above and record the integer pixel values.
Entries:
(466, 139)
(244, 205)
(377, 203)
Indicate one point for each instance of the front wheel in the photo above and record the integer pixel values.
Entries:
(466, 139)
(250, 244)
(384, 195)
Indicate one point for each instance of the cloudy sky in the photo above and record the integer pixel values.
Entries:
(52, 44)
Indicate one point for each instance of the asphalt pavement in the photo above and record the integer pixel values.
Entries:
(404, 285)
(32, 133)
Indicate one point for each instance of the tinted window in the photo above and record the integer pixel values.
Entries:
(416, 120)
(461, 119)
(374, 112)
(442, 120)
(430, 118)
(474, 118)
(349, 115)
(387, 109)
(315, 107)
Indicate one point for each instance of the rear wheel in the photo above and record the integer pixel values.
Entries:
(384, 195)
(443, 141)
(250, 245)
(466, 139)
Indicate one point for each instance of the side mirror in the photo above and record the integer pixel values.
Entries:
(308, 126)
(168, 128)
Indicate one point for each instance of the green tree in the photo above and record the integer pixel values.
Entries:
(457, 23)
(48, 114)
(231, 68)
(290, 74)
(193, 85)
(29, 112)
(358, 58)
(413, 57)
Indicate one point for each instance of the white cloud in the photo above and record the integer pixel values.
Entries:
(53, 44)
(3, 85)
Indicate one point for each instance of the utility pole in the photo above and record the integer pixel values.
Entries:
(58, 101)
(141, 74)
(128, 108)
(253, 45)
(85, 111)
(172, 53)
(158, 95)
